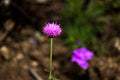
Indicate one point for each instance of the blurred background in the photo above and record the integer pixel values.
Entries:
(24, 49)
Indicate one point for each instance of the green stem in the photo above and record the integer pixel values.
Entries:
(51, 65)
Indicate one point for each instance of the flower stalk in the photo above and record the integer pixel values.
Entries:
(51, 65)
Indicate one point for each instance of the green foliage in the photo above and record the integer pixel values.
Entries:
(81, 23)
(116, 20)
(110, 3)
(53, 78)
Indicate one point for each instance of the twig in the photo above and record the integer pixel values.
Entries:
(35, 74)
(9, 25)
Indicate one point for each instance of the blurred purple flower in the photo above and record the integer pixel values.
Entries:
(52, 30)
(81, 55)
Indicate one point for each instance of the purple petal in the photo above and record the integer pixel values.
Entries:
(82, 63)
(83, 53)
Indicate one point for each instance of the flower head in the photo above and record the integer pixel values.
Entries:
(52, 30)
(81, 56)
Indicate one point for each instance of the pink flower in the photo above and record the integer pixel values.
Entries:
(52, 30)
(83, 53)
(81, 56)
